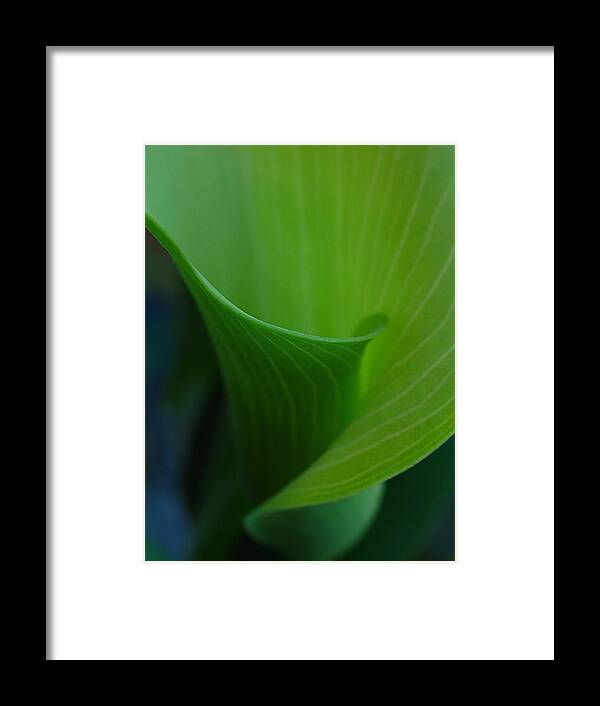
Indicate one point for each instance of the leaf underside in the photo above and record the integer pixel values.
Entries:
(325, 277)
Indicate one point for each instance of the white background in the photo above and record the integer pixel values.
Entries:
(496, 600)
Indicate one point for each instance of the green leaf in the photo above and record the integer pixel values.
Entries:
(325, 278)
(410, 510)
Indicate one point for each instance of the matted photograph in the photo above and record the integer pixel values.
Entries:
(300, 353)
